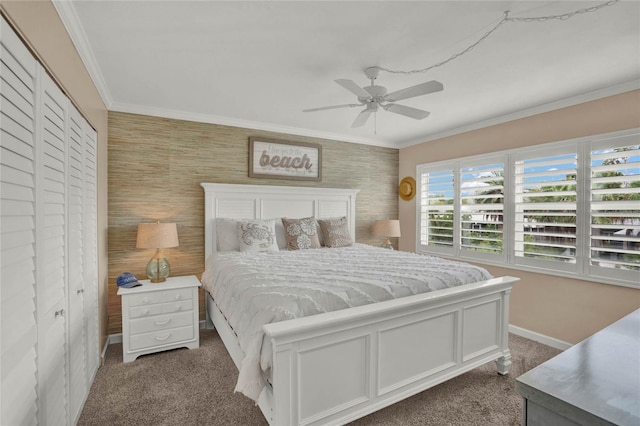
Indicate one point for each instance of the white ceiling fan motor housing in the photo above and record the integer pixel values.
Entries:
(377, 94)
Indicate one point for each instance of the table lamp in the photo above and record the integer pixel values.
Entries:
(158, 236)
(388, 229)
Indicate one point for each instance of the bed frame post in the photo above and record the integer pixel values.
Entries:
(503, 364)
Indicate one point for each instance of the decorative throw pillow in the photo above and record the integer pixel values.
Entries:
(335, 232)
(301, 233)
(257, 235)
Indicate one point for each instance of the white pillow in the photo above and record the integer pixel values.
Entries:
(281, 235)
(257, 235)
(227, 234)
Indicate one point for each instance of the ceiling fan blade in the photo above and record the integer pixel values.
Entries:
(416, 113)
(417, 90)
(362, 117)
(331, 107)
(353, 88)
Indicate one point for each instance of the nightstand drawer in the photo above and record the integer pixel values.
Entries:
(160, 322)
(145, 311)
(177, 295)
(143, 299)
(159, 338)
(185, 305)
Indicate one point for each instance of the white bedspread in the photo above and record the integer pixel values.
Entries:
(253, 289)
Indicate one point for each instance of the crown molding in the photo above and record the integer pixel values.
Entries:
(539, 109)
(69, 18)
(246, 124)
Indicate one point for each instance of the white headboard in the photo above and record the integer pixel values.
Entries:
(237, 201)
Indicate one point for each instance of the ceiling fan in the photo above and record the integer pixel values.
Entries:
(373, 97)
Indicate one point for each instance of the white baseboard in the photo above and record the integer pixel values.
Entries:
(112, 338)
(545, 340)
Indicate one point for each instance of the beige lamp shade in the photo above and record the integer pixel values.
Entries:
(157, 235)
(386, 228)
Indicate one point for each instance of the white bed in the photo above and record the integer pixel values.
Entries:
(337, 366)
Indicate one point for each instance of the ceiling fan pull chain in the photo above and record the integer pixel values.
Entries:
(506, 18)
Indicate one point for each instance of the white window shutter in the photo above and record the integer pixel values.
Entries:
(437, 200)
(545, 210)
(614, 197)
(18, 338)
(482, 209)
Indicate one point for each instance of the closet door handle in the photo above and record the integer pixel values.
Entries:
(59, 313)
(163, 323)
(80, 291)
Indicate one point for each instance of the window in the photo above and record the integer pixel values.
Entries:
(569, 208)
(481, 208)
(614, 196)
(545, 209)
(437, 195)
(461, 208)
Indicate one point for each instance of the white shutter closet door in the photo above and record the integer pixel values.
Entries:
(90, 234)
(18, 369)
(76, 327)
(51, 275)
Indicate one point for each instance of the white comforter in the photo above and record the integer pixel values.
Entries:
(253, 289)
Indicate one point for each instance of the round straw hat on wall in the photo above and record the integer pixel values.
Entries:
(407, 188)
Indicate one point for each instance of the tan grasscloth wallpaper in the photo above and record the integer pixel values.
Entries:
(156, 166)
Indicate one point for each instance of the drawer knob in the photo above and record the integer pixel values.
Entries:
(145, 312)
(163, 322)
(178, 296)
(163, 338)
(145, 301)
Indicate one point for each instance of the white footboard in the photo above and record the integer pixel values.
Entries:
(335, 367)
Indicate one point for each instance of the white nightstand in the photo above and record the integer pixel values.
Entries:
(160, 316)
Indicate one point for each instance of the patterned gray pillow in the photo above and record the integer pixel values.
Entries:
(301, 233)
(257, 235)
(335, 232)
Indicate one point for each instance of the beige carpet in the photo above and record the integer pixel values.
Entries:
(195, 387)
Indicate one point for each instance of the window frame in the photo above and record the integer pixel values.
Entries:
(582, 268)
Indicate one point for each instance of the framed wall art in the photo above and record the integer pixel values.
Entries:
(269, 158)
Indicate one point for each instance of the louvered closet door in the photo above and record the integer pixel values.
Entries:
(18, 400)
(51, 277)
(90, 233)
(76, 327)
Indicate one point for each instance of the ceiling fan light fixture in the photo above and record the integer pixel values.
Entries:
(374, 96)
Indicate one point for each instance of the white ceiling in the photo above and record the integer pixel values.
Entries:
(258, 64)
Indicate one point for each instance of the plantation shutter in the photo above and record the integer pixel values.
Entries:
(481, 209)
(614, 194)
(437, 190)
(545, 210)
(18, 368)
